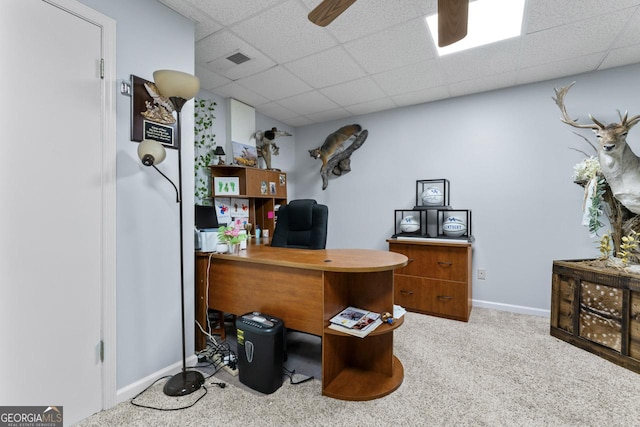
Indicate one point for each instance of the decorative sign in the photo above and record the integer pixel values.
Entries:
(151, 114)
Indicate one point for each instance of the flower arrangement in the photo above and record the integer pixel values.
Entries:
(231, 234)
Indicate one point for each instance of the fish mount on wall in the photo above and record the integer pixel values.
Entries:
(335, 158)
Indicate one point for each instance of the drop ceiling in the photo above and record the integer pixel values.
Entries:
(378, 54)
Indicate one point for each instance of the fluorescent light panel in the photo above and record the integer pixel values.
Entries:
(489, 21)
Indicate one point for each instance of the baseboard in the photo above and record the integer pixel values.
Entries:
(132, 390)
(512, 308)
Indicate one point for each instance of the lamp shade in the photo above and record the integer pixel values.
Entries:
(219, 151)
(173, 83)
(151, 152)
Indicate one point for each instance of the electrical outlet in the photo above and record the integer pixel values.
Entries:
(482, 274)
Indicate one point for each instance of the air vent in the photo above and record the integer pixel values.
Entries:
(238, 58)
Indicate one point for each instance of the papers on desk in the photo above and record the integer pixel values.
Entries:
(355, 321)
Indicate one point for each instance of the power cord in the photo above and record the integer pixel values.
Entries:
(140, 405)
(290, 374)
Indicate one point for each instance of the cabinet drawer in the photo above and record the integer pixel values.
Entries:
(437, 262)
(433, 296)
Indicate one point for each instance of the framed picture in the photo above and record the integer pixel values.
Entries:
(272, 188)
(226, 186)
(283, 179)
(244, 154)
(151, 114)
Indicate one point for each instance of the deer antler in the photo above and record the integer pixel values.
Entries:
(628, 123)
(559, 99)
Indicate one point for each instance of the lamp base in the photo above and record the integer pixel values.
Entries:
(186, 382)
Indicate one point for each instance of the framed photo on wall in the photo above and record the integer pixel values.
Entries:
(151, 114)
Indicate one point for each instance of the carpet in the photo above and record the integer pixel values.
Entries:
(499, 369)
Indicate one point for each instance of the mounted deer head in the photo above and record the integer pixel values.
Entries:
(620, 166)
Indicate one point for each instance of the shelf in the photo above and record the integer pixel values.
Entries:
(359, 384)
(385, 328)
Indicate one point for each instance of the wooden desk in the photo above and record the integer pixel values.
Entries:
(306, 288)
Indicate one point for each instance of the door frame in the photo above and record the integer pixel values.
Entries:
(108, 132)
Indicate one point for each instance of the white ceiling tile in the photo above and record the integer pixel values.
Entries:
(241, 9)
(371, 106)
(631, 34)
(210, 80)
(422, 96)
(218, 45)
(354, 92)
(241, 93)
(326, 68)
(565, 67)
(298, 121)
(545, 14)
(206, 28)
(623, 56)
(484, 84)
(307, 103)
(395, 47)
(295, 38)
(410, 78)
(389, 58)
(369, 16)
(275, 83)
(275, 111)
(572, 40)
(495, 58)
(325, 116)
(235, 71)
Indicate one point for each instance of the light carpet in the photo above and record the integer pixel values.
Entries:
(499, 369)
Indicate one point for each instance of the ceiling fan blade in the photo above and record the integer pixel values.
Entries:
(453, 16)
(328, 10)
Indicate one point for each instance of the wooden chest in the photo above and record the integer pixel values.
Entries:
(437, 280)
(597, 310)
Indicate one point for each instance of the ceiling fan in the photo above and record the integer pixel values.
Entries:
(452, 17)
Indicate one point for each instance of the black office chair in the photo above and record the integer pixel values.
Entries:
(301, 224)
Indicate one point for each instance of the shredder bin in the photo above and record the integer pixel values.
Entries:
(260, 351)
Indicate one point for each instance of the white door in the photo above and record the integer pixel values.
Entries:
(51, 209)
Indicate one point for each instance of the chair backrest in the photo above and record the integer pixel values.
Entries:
(301, 224)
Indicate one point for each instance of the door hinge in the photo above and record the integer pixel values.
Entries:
(102, 68)
(101, 351)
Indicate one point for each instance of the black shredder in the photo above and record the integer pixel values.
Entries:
(260, 351)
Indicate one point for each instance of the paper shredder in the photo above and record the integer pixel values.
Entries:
(261, 341)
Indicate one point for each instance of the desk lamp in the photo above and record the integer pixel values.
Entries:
(219, 152)
(179, 87)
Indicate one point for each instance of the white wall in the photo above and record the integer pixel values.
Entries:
(507, 156)
(150, 36)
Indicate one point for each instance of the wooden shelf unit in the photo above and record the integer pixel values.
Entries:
(252, 181)
(437, 279)
(359, 368)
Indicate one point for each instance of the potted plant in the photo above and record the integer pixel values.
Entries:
(232, 235)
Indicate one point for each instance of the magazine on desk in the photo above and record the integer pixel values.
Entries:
(358, 332)
(355, 321)
(352, 316)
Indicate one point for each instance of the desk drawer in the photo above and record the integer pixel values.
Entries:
(431, 296)
(436, 262)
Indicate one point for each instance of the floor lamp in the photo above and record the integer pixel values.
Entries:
(179, 87)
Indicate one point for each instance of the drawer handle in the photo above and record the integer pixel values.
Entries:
(445, 263)
(445, 297)
(403, 292)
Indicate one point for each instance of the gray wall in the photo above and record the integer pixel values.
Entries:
(150, 36)
(507, 156)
